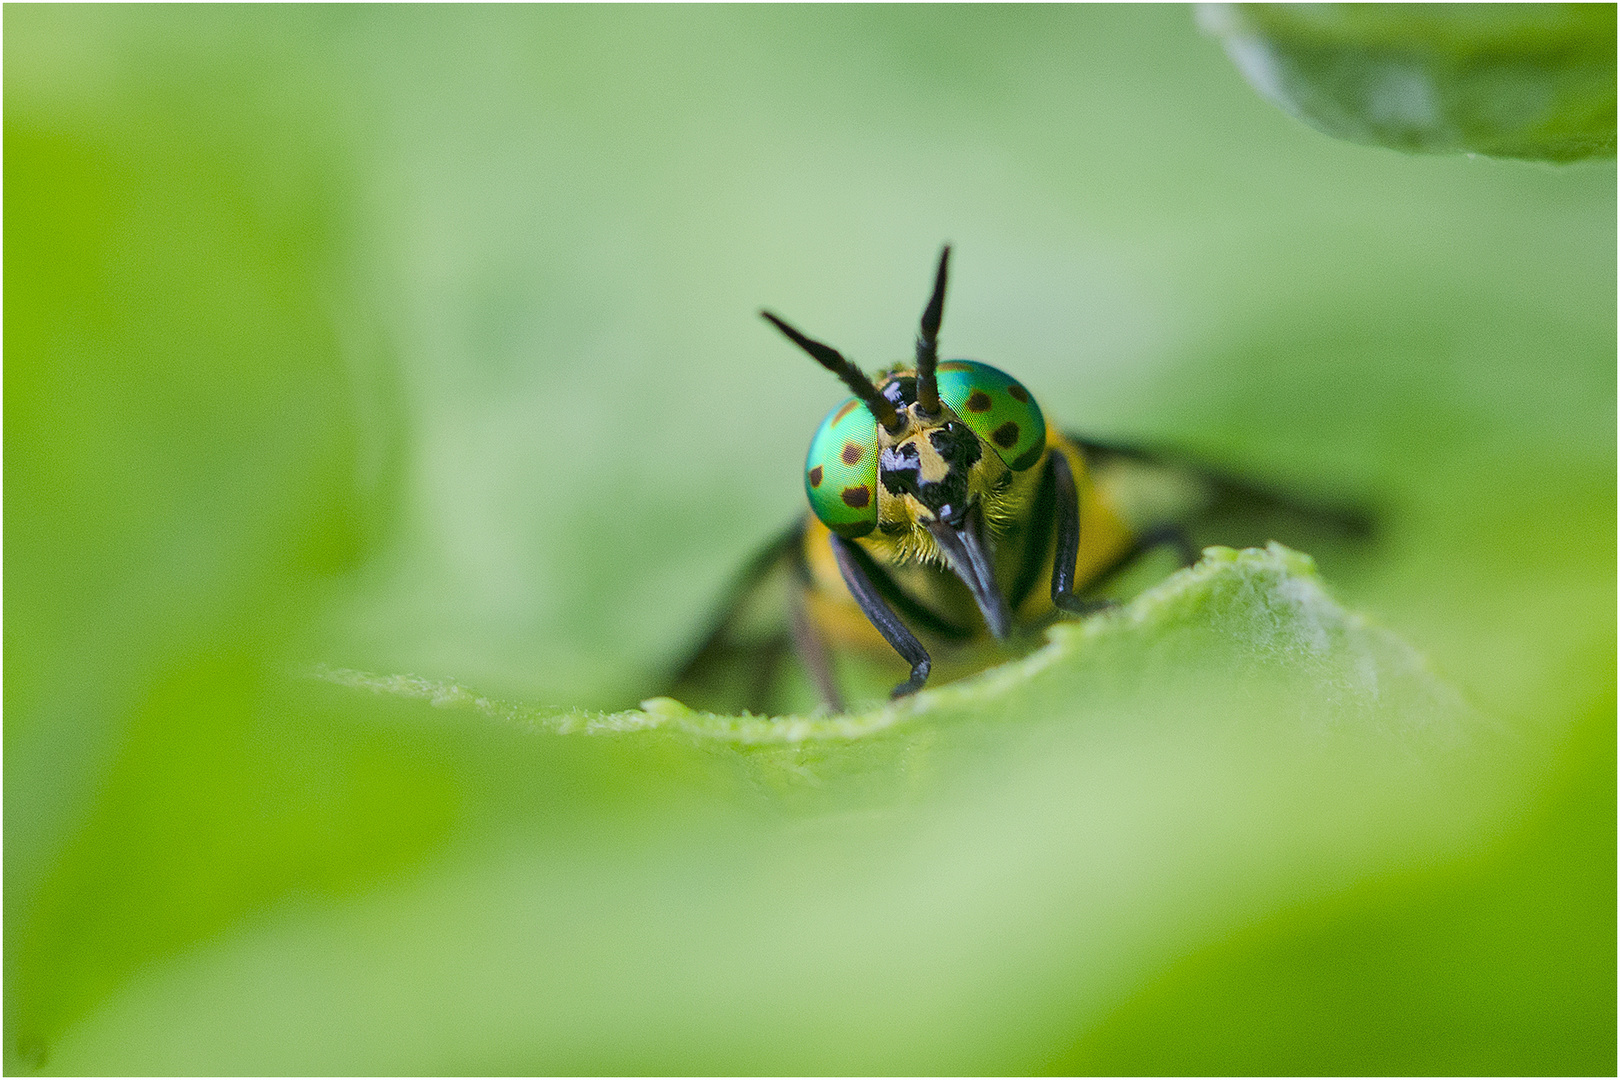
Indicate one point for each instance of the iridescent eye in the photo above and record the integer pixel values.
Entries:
(997, 408)
(840, 472)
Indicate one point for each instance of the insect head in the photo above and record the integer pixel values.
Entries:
(925, 456)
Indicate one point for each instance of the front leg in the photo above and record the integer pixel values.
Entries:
(1067, 511)
(882, 616)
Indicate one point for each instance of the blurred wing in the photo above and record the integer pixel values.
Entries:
(1150, 488)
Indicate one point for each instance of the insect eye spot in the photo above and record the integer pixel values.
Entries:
(978, 401)
(1017, 393)
(852, 453)
(1006, 435)
(815, 476)
(857, 497)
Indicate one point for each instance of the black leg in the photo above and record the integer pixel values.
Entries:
(1162, 535)
(1165, 535)
(716, 648)
(763, 676)
(882, 616)
(812, 649)
(1067, 506)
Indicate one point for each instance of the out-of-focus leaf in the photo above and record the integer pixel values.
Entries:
(499, 265)
(181, 486)
(1013, 851)
(1508, 80)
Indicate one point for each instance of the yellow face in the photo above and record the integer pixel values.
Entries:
(932, 471)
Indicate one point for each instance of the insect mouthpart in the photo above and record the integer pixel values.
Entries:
(968, 555)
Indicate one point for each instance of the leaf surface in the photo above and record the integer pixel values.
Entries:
(1015, 851)
(1508, 80)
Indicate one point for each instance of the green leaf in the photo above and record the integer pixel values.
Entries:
(1228, 745)
(1270, 604)
(1508, 80)
(422, 339)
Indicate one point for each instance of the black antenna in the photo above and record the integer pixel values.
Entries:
(831, 359)
(928, 342)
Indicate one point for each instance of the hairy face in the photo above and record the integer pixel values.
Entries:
(935, 470)
(931, 470)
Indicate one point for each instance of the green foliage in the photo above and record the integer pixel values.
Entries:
(1013, 845)
(1510, 80)
(420, 341)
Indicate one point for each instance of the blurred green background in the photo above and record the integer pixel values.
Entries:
(423, 340)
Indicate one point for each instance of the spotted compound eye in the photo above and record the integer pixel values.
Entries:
(997, 408)
(840, 472)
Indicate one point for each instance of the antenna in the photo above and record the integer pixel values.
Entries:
(831, 359)
(928, 341)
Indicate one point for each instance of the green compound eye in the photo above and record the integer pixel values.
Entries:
(840, 472)
(997, 408)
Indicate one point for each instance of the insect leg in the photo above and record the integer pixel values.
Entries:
(765, 667)
(812, 649)
(1067, 500)
(1165, 534)
(883, 617)
(735, 663)
(757, 570)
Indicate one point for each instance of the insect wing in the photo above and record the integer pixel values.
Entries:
(1151, 488)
